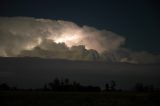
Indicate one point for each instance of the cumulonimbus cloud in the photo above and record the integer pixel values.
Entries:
(28, 36)
(24, 33)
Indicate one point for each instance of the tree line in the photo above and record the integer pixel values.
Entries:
(65, 85)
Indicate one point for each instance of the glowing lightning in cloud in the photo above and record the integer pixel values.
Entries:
(70, 38)
(26, 33)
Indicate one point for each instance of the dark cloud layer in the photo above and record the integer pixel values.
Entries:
(45, 38)
(35, 72)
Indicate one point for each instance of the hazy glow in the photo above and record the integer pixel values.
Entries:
(70, 37)
(37, 42)
(69, 40)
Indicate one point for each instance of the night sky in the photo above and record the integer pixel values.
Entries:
(137, 20)
(73, 44)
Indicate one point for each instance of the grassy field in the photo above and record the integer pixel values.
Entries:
(48, 98)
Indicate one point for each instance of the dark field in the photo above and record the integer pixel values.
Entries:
(48, 98)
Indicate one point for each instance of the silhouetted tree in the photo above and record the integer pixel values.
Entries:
(149, 88)
(76, 86)
(45, 88)
(106, 87)
(62, 82)
(66, 81)
(139, 87)
(65, 85)
(14, 88)
(4, 86)
(55, 85)
(113, 85)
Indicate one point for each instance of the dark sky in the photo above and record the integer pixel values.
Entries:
(35, 72)
(137, 20)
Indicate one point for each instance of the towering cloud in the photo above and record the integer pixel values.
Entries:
(27, 36)
(25, 33)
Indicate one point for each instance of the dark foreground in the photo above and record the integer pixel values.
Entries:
(48, 98)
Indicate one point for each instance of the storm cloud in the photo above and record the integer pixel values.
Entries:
(45, 38)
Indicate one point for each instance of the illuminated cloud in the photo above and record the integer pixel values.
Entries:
(25, 33)
(49, 49)
(45, 38)
(129, 56)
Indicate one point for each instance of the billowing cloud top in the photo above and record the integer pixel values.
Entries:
(27, 36)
